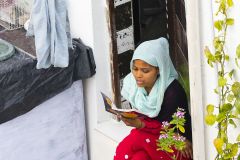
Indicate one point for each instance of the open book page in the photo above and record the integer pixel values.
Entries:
(127, 113)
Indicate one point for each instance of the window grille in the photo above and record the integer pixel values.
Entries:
(14, 13)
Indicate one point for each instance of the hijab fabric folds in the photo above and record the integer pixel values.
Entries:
(156, 53)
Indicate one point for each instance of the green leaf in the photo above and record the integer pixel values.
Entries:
(226, 157)
(230, 97)
(230, 3)
(238, 51)
(222, 81)
(169, 150)
(227, 57)
(236, 61)
(220, 73)
(182, 129)
(216, 91)
(218, 45)
(218, 56)
(234, 150)
(208, 54)
(218, 25)
(232, 116)
(216, 42)
(226, 107)
(210, 108)
(230, 21)
(236, 88)
(238, 138)
(238, 158)
(230, 74)
(232, 123)
(221, 117)
(218, 143)
(222, 7)
(224, 136)
(237, 104)
(210, 63)
(210, 119)
(229, 145)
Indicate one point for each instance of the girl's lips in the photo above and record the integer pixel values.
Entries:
(139, 82)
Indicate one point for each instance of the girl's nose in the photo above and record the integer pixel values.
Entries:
(139, 74)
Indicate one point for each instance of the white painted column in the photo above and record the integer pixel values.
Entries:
(195, 74)
(209, 75)
(203, 78)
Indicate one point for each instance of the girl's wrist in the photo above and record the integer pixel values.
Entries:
(140, 125)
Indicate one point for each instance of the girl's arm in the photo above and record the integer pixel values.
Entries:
(144, 123)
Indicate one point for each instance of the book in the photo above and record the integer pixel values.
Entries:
(126, 113)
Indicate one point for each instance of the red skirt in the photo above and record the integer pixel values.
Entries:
(141, 144)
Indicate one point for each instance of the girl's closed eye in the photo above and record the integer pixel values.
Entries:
(145, 70)
(134, 68)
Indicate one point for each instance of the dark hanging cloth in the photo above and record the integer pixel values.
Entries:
(23, 87)
(85, 66)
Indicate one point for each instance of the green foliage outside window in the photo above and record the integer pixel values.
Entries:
(227, 112)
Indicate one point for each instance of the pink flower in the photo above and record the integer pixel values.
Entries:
(180, 109)
(165, 124)
(179, 138)
(180, 114)
(163, 136)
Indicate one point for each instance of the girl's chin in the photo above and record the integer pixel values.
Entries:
(140, 85)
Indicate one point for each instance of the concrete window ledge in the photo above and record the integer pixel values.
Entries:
(114, 130)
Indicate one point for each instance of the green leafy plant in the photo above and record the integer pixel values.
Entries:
(227, 112)
(170, 134)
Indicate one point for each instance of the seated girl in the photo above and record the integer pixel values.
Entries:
(153, 89)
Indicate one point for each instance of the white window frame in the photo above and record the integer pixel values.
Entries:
(195, 74)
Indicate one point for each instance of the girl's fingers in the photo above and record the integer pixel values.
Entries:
(183, 153)
(187, 152)
(189, 149)
(131, 122)
(119, 117)
(191, 154)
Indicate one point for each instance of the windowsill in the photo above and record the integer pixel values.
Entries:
(19, 40)
(113, 130)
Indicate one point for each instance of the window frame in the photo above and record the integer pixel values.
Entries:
(195, 73)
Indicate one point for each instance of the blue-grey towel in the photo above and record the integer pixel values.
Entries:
(50, 25)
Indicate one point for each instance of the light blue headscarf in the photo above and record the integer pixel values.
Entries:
(155, 53)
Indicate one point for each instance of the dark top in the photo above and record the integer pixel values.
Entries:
(175, 97)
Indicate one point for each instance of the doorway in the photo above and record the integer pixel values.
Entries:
(135, 21)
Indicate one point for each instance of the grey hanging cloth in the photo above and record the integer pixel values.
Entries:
(50, 25)
(85, 66)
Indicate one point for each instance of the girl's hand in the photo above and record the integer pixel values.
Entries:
(188, 151)
(136, 122)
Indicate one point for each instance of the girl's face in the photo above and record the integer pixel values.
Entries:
(145, 74)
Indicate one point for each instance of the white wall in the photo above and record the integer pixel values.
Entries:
(209, 77)
(203, 79)
(88, 21)
(231, 43)
(80, 15)
(208, 82)
(195, 75)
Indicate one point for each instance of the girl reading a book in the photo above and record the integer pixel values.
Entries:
(153, 89)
